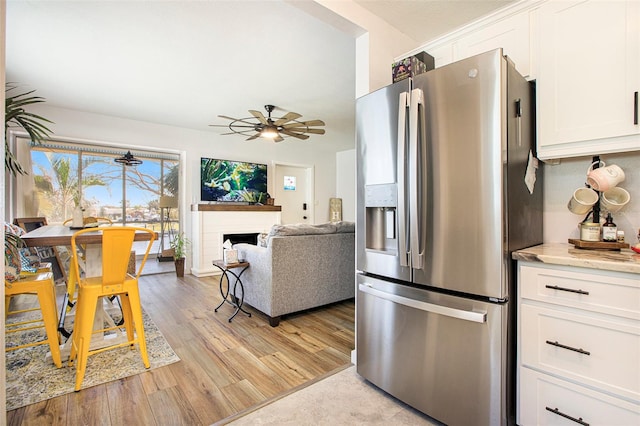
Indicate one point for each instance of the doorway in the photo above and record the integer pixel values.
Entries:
(293, 191)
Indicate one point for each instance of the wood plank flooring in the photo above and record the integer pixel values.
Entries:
(225, 367)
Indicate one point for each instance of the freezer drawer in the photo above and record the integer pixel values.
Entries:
(445, 356)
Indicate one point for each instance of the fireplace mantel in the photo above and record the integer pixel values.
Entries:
(234, 208)
(211, 221)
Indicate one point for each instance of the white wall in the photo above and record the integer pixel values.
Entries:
(375, 50)
(562, 179)
(346, 183)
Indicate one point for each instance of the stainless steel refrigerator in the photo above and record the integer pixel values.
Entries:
(445, 193)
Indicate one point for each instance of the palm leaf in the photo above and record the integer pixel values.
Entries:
(17, 116)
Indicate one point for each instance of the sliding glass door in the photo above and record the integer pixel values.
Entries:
(66, 176)
(63, 175)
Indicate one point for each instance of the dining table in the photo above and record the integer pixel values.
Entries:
(60, 235)
(91, 242)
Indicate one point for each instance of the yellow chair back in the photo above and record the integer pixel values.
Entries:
(116, 249)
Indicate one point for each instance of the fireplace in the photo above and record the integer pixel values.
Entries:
(212, 224)
(251, 238)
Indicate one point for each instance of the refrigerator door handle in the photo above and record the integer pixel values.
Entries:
(479, 317)
(401, 178)
(417, 257)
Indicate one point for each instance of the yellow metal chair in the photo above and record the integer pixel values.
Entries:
(114, 281)
(43, 285)
(42, 268)
(88, 222)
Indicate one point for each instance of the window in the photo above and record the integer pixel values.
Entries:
(64, 174)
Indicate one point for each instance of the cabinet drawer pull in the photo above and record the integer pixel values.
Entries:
(566, 416)
(555, 287)
(560, 345)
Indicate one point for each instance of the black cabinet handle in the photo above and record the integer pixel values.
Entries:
(635, 108)
(566, 416)
(555, 287)
(560, 345)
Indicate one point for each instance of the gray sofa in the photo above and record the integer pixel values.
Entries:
(298, 267)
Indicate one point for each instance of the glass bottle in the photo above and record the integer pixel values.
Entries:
(609, 230)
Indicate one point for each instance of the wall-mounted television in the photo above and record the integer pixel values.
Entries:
(232, 181)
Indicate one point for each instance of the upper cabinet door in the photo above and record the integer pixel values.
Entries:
(511, 34)
(588, 78)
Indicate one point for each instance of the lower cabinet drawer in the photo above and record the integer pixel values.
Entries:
(595, 350)
(546, 400)
(611, 294)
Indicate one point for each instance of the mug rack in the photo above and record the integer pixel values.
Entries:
(595, 212)
(596, 206)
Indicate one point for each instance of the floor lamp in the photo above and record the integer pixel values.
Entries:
(166, 230)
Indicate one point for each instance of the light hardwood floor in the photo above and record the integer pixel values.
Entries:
(225, 367)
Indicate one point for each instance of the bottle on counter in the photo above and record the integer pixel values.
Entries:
(609, 230)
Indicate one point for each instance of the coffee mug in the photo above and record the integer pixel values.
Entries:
(604, 177)
(582, 200)
(614, 199)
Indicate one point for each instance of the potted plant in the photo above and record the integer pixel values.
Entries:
(179, 245)
(17, 116)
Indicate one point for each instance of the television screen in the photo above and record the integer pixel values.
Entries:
(233, 181)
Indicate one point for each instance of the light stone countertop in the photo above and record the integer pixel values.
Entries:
(624, 260)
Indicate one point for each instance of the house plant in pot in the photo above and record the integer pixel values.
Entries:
(180, 245)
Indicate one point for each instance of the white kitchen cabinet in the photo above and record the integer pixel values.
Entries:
(512, 34)
(442, 55)
(588, 77)
(578, 346)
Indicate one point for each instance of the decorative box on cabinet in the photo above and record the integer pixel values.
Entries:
(588, 77)
(578, 346)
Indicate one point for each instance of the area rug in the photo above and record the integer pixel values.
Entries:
(340, 398)
(32, 377)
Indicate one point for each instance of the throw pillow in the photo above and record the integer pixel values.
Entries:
(11, 263)
(16, 259)
(263, 239)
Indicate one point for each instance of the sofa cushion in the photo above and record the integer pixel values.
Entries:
(345, 227)
(302, 229)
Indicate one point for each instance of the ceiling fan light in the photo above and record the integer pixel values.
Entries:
(269, 132)
(272, 128)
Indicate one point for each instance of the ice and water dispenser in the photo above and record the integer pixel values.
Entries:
(381, 217)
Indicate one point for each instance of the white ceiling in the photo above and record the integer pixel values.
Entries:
(182, 63)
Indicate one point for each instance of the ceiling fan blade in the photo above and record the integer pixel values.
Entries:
(304, 124)
(259, 116)
(236, 119)
(315, 131)
(278, 139)
(249, 126)
(286, 118)
(295, 135)
(256, 136)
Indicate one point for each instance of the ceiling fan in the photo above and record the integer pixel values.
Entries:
(273, 128)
